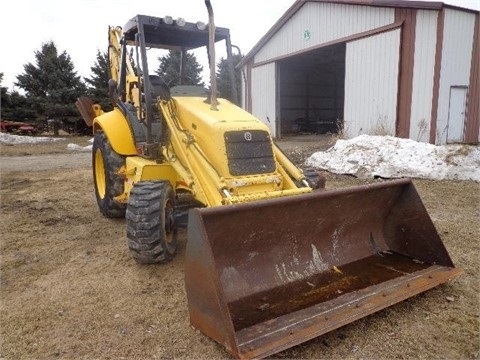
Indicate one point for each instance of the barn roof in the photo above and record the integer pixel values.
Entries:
(423, 5)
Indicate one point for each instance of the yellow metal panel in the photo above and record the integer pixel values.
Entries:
(198, 119)
(256, 184)
(141, 169)
(227, 112)
(199, 145)
(117, 130)
(265, 195)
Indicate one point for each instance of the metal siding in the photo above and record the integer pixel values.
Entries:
(371, 85)
(264, 95)
(326, 22)
(456, 61)
(423, 71)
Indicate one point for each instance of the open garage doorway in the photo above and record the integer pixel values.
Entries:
(312, 91)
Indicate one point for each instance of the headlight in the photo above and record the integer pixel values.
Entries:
(180, 22)
(201, 25)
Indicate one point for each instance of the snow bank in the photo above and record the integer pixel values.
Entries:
(390, 157)
(18, 139)
(76, 147)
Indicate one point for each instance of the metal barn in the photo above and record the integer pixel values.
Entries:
(380, 67)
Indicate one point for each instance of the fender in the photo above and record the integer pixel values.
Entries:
(117, 130)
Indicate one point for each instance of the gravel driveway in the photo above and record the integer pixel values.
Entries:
(44, 162)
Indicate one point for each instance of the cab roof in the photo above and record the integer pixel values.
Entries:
(159, 33)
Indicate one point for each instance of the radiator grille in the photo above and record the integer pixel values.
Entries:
(249, 152)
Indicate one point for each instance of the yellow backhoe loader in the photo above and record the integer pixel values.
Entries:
(270, 262)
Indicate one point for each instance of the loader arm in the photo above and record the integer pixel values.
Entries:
(203, 180)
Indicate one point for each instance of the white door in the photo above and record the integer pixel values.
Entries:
(456, 114)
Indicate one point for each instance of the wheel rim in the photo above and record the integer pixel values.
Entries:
(100, 179)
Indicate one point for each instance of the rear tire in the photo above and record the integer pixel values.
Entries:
(108, 184)
(151, 230)
(314, 179)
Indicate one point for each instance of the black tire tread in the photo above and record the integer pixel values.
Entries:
(145, 222)
(114, 182)
(313, 178)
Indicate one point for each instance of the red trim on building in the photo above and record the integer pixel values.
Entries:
(405, 77)
(472, 127)
(436, 76)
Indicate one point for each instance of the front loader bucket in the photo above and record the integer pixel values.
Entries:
(265, 276)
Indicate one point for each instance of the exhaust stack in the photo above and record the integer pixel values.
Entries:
(211, 53)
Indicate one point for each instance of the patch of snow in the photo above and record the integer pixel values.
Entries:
(76, 147)
(19, 139)
(368, 156)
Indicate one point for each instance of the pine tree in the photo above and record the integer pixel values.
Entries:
(169, 69)
(14, 106)
(224, 85)
(52, 85)
(3, 97)
(98, 82)
(17, 107)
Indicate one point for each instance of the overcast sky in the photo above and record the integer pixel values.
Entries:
(81, 27)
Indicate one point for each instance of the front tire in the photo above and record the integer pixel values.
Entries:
(108, 184)
(314, 179)
(151, 230)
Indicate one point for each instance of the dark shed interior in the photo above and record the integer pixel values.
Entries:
(312, 91)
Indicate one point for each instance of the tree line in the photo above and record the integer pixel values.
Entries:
(51, 85)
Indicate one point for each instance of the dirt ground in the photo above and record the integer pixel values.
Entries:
(70, 290)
